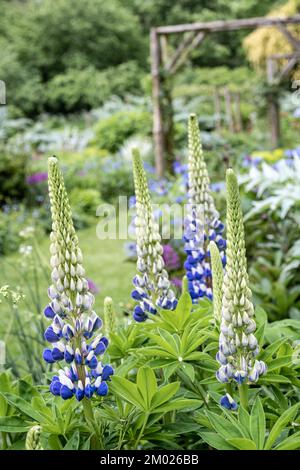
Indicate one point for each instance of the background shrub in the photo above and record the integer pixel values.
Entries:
(111, 133)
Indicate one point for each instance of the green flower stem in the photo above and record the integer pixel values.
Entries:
(4, 440)
(229, 389)
(142, 430)
(96, 441)
(243, 390)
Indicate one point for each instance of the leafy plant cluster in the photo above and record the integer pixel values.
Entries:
(164, 393)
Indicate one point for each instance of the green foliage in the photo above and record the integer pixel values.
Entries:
(115, 182)
(56, 47)
(88, 88)
(12, 177)
(111, 133)
(85, 203)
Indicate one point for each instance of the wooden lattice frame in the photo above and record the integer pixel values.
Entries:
(163, 66)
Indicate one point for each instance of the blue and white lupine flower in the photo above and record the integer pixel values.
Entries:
(74, 331)
(228, 402)
(202, 223)
(151, 284)
(238, 346)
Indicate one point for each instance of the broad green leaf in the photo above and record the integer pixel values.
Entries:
(5, 386)
(242, 443)
(86, 445)
(290, 443)
(73, 442)
(271, 349)
(215, 441)
(279, 362)
(170, 369)
(168, 345)
(280, 424)
(244, 419)
(164, 394)
(146, 383)
(154, 351)
(13, 424)
(189, 370)
(274, 378)
(24, 407)
(26, 390)
(183, 309)
(127, 390)
(223, 427)
(258, 424)
(178, 404)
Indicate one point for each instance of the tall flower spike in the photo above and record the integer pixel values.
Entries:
(33, 439)
(217, 279)
(109, 316)
(238, 346)
(202, 223)
(152, 285)
(74, 322)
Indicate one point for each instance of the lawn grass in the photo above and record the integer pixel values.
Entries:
(104, 262)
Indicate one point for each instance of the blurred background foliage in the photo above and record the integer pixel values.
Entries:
(78, 86)
(67, 56)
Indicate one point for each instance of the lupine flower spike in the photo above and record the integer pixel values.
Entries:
(217, 280)
(109, 316)
(33, 439)
(74, 331)
(202, 223)
(238, 345)
(152, 285)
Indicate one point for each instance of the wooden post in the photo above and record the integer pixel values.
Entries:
(158, 135)
(161, 89)
(228, 109)
(238, 117)
(217, 108)
(273, 105)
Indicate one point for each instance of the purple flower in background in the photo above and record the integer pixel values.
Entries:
(158, 187)
(131, 201)
(179, 168)
(250, 161)
(217, 187)
(130, 250)
(177, 282)
(149, 168)
(94, 289)
(37, 178)
(171, 258)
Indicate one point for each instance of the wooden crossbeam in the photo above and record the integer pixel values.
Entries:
(288, 67)
(196, 40)
(228, 25)
(289, 36)
(182, 46)
(160, 63)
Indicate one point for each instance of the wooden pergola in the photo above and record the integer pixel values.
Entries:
(165, 65)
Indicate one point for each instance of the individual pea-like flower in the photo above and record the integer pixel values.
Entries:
(151, 284)
(228, 402)
(238, 346)
(74, 331)
(202, 223)
(33, 439)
